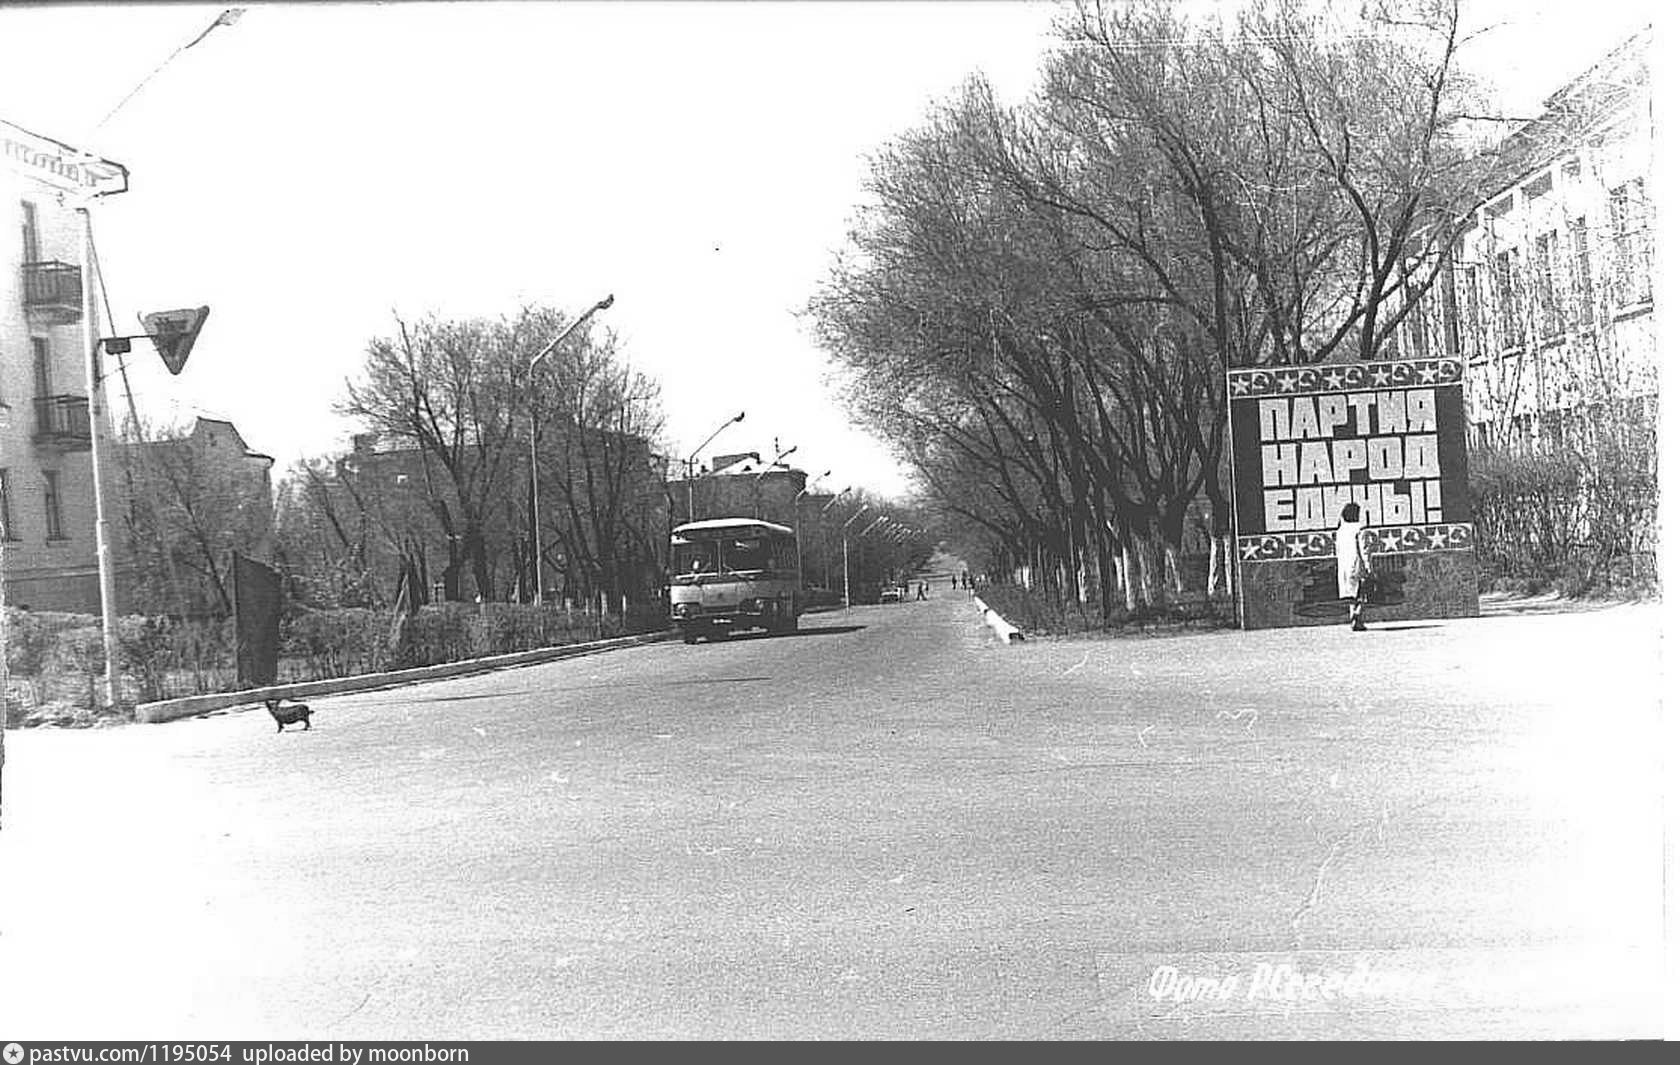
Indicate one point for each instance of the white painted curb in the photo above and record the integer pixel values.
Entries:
(193, 705)
(1004, 630)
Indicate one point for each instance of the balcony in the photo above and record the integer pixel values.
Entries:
(61, 423)
(52, 292)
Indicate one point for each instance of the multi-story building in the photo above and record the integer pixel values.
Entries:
(602, 513)
(738, 485)
(46, 473)
(1547, 294)
(187, 501)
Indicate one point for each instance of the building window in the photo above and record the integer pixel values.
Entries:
(1470, 337)
(1545, 285)
(1522, 432)
(1581, 275)
(1505, 297)
(31, 234)
(54, 505)
(1417, 328)
(43, 366)
(7, 532)
(1630, 222)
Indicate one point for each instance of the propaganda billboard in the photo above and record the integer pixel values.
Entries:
(1388, 436)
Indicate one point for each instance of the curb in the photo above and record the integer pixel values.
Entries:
(194, 705)
(1004, 630)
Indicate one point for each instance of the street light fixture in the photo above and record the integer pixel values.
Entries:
(688, 463)
(844, 492)
(846, 555)
(530, 371)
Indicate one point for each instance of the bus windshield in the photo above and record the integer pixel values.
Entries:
(694, 556)
(731, 546)
(745, 553)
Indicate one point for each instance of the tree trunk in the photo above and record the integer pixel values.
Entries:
(1170, 557)
(1128, 583)
(1216, 564)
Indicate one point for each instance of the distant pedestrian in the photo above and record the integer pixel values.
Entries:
(921, 592)
(1353, 564)
(953, 582)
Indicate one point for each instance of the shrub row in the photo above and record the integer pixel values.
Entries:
(57, 661)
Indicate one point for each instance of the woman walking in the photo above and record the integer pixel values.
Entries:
(1353, 563)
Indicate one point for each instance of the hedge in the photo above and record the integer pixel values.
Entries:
(57, 661)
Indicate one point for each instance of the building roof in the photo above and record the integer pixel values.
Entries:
(722, 525)
(202, 425)
(1586, 103)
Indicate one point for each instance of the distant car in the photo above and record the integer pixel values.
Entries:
(891, 595)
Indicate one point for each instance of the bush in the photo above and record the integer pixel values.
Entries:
(57, 661)
(1552, 519)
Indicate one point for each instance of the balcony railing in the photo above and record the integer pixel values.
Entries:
(62, 422)
(53, 289)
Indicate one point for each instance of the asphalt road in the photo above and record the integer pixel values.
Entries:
(887, 826)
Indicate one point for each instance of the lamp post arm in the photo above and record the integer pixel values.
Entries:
(548, 349)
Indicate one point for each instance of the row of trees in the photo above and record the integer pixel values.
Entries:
(435, 500)
(1038, 307)
(439, 494)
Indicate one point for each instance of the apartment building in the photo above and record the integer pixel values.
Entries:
(187, 501)
(1548, 293)
(46, 472)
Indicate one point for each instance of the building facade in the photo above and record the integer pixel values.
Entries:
(738, 485)
(1548, 294)
(189, 501)
(602, 512)
(46, 434)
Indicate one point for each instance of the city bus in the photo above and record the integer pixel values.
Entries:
(733, 573)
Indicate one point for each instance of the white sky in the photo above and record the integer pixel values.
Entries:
(310, 169)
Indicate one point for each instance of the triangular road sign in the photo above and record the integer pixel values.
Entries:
(174, 332)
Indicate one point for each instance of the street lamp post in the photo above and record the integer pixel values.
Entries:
(798, 547)
(846, 555)
(844, 492)
(688, 463)
(758, 501)
(530, 372)
(96, 418)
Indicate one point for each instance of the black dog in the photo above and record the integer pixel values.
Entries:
(288, 715)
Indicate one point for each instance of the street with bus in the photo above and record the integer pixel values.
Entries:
(887, 824)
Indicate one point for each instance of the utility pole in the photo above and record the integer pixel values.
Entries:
(96, 418)
(846, 555)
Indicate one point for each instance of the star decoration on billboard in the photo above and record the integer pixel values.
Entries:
(1350, 377)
